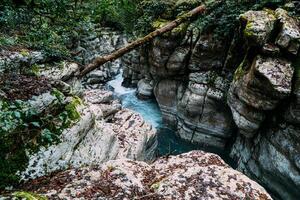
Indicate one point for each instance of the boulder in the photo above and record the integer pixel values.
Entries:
(145, 89)
(268, 81)
(92, 140)
(289, 35)
(258, 26)
(17, 60)
(64, 71)
(191, 175)
(261, 88)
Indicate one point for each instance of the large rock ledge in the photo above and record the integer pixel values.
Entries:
(104, 132)
(193, 175)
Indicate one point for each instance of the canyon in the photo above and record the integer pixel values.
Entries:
(238, 98)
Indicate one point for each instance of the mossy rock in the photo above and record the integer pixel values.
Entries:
(258, 26)
(241, 70)
(31, 130)
(28, 196)
(179, 30)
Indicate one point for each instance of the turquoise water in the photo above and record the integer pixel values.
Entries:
(168, 142)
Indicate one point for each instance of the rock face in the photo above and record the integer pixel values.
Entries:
(210, 91)
(192, 175)
(183, 73)
(99, 42)
(18, 60)
(263, 98)
(104, 132)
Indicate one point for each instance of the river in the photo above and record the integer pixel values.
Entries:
(168, 142)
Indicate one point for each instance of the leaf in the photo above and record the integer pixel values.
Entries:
(36, 124)
(17, 114)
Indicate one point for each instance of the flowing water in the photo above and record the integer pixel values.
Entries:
(168, 142)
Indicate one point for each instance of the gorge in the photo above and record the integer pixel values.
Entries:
(186, 116)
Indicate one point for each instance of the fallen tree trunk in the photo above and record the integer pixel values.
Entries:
(120, 52)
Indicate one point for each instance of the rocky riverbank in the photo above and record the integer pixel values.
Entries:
(240, 96)
(214, 92)
(99, 155)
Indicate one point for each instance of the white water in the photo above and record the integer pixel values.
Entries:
(168, 142)
(148, 108)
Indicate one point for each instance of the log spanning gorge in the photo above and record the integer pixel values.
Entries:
(184, 116)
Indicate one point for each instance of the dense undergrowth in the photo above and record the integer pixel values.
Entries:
(23, 129)
(54, 26)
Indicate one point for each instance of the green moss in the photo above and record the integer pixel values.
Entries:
(23, 130)
(248, 31)
(24, 53)
(181, 29)
(159, 23)
(35, 69)
(155, 186)
(28, 196)
(71, 108)
(240, 71)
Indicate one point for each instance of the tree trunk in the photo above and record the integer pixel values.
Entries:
(120, 52)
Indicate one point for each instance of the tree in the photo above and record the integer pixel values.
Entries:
(168, 27)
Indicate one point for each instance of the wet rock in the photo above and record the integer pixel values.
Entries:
(203, 116)
(197, 112)
(272, 159)
(145, 89)
(191, 175)
(134, 68)
(165, 93)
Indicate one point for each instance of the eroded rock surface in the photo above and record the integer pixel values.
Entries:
(191, 175)
(104, 132)
(259, 72)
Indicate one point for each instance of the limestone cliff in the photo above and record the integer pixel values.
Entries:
(212, 92)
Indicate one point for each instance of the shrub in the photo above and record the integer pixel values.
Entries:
(23, 129)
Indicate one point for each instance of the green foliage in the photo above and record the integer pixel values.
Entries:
(54, 26)
(153, 10)
(223, 19)
(121, 14)
(23, 129)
